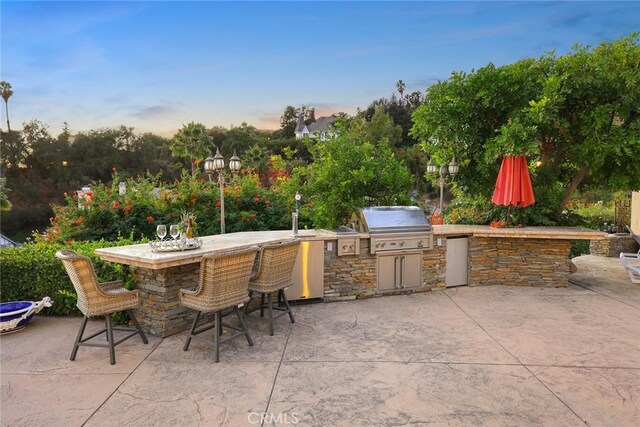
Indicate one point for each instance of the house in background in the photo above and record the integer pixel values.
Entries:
(313, 128)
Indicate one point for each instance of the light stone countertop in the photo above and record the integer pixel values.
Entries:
(141, 255)
(559, 233)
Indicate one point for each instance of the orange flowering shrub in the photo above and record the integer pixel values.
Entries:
(103, 213)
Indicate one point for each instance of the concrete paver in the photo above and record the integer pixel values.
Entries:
(464, 356)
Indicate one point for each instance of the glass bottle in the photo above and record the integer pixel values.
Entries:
(190, 233)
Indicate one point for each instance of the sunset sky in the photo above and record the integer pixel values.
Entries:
(158, 65)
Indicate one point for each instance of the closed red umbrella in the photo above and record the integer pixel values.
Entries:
(513, 186)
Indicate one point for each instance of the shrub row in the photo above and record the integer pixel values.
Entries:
(33, 272)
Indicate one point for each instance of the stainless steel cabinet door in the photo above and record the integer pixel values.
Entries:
(399, 271)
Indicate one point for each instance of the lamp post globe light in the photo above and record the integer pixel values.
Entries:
(452, 168)
(216, 164)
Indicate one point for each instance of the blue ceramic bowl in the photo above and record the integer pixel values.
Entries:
(15, 309)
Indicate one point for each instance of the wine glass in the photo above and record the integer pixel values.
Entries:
(161, 231)
(173, 230)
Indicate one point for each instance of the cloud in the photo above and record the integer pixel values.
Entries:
(155, 112)
(268, 121)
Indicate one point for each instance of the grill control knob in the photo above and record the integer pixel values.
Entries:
(401, 244)
(420, 244)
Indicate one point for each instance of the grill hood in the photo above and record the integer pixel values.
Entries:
(390, 219)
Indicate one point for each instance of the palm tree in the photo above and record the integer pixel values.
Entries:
(5, 89)
(256, 158)
(191, 142)
(400, 86)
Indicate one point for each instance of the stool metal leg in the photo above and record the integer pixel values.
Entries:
(243, 325)
(270, 313)
(286, 303)
(76, 345)
(137, 326)
(112, 348)
(191, 331)
(246, 306)
(262, 305)
(216, 336)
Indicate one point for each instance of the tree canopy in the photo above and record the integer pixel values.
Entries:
(575, 116)
(350, 171)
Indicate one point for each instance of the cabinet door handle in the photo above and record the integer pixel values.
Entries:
(402, 271)
(396, 285)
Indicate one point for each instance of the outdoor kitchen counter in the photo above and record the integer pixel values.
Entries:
(141, 255)
(160, 276)
(473, 255)
(560, 233)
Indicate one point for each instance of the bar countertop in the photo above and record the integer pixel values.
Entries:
(141, 255)
(558, 233)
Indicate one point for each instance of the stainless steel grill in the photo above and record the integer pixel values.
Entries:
(390, 219)
(394, 228)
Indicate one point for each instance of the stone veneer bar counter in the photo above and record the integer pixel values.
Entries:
(160, 276)
(527, 256)
(530, 256)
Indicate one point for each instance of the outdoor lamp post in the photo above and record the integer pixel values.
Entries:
(453, 170)
(216, 164)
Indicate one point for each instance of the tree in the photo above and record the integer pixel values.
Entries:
(400, 86)
(576, 114)
(257, 158)
(382, 130)
(193, 143)
(6, 92)
(5, 204)
(349, 172)
(14, 149)
(288, 122)
(400, 111)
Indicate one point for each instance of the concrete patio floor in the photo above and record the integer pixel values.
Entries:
(465, 356)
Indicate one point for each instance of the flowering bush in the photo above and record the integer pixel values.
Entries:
(103, 213)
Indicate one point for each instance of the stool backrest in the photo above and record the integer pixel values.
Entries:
(82, 275)
(276, 261)
(224, 276)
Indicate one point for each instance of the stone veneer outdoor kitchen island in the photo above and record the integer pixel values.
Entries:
(529, 256)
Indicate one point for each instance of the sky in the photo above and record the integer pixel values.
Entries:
(159, 65)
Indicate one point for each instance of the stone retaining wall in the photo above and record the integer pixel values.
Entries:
(613, 245)
(519, 262)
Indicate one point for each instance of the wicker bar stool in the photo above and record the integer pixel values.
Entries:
(224, 281)
(273, 275)
(99, 299)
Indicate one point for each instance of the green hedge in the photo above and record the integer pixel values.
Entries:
(33, 272)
